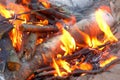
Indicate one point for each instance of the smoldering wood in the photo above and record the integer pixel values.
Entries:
(41, 29)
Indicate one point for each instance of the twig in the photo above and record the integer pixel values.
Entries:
(43, 69)
(47, 73)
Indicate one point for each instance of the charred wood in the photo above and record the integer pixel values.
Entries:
(55, 13)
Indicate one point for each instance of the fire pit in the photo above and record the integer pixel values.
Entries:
(51, 40)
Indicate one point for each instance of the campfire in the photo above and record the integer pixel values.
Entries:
(43, 41)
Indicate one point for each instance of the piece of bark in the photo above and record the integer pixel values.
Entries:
(30, 46)
(41, 29)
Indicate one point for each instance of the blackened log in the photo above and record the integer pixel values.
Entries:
(55, 13)
(41, 29)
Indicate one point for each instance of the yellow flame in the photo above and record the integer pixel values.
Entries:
(68, 42)
(56, 67)
(105, 62)
(4, 12)
(108, 36)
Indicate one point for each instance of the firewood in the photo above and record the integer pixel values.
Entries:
(52, 47)
(55, 13)
(30, 46)
(13, 61)
(35, 28)
(8, 55)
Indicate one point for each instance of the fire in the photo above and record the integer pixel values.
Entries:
(4, 12)
(64, 67)
(108, 36)
(45, 3)
(7, 12)
(25, 1)
(68, 42)
(107, 61)
(68, 45)
(85, 66)
(104, 27)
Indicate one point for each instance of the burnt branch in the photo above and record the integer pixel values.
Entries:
(35, 28)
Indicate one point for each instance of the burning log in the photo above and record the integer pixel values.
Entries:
(35, 28)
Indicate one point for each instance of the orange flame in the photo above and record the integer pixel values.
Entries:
(85, 66)
(15, 34)
(25, 1)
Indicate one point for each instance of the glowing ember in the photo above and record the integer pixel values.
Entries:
(85, 66)
(25, 1)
